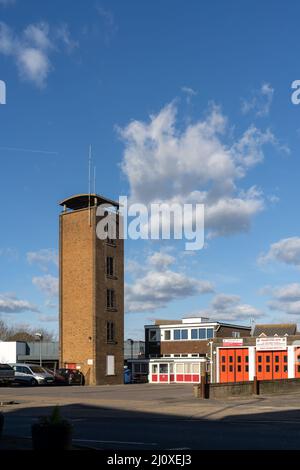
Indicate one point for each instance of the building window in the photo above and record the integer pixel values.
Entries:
(111, 236)
(176, 334)
(180, 334)
(236, 334)
(110, 365)
(210, 333)
(153, 335)
(167, 335)
(110, 298)
(109, 266)
(202, 333)
(194, 334)
(184, 334)
(110, 331)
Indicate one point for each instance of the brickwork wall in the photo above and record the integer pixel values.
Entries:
(76, 288)
(83, 286)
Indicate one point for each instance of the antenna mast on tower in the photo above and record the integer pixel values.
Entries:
(90, 165)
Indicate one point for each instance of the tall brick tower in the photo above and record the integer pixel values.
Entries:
(91, 292)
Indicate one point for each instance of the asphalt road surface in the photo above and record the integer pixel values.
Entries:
(158, 417)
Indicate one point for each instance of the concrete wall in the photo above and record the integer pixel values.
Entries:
(279, 386)
(264, 387)
(230, 389)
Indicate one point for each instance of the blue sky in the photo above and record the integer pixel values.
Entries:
(197, 96)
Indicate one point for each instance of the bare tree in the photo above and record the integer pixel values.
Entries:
(22, 333)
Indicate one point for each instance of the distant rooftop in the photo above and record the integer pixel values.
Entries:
(195, 320)
(82, 201)
(271, 329)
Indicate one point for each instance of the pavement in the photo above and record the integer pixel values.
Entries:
(156, 417)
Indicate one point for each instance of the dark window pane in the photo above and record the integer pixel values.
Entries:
(223, 359)
(239, 368)
(176, 334)
(259, 358)
(230, 368)
(276, 358)
(267, 368)
(210, 333)
(247, 358)
(285, 368)
(239, 359)
(194, 334)
(230, 358)
(276, 368)
(247, 368)
(223, 368)
(184, 334)
(285, 358)
(202, 333)
(259, 368)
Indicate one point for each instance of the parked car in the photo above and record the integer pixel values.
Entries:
(59, 379)
(72, 376)
(32, 374)
(7, 374)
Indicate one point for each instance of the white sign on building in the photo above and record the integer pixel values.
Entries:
(271, 344)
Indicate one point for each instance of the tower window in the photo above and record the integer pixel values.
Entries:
(110, 331)
(110, 298)
(109, 266)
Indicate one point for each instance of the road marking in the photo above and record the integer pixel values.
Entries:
(116, 442)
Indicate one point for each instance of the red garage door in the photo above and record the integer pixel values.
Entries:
(271, 365)
(234, 364)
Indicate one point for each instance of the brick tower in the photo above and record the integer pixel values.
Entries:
(91, 292)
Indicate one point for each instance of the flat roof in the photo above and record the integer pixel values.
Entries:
(82, 201)
(179, 324)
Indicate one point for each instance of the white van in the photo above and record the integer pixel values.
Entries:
(32, 374)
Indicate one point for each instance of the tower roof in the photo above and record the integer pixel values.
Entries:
(82, 201)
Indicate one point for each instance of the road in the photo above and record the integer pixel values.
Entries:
(158, 417)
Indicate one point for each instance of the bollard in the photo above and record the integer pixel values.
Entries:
(204, 386)
(255, 386)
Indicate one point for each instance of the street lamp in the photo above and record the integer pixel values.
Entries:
(131, 347)
(40, 336)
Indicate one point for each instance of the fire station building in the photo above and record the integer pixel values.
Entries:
(181, 351)
(272, 352)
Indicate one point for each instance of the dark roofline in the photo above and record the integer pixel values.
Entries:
(185, 325)
(81, 201)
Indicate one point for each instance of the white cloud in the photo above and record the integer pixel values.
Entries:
(43, 258)
(48, 318)
(9, 303)
(160, 285)
(285, 251)
(260, 102)
(7, 3)
(110, 25)
(47, 284)
(195, 165)
(160, 260)
(228, 307)
(31, 49)
(285, 298)
(189, 92)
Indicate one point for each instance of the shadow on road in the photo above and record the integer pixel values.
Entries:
(111, 428)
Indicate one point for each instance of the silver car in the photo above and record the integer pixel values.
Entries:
(31, 374)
